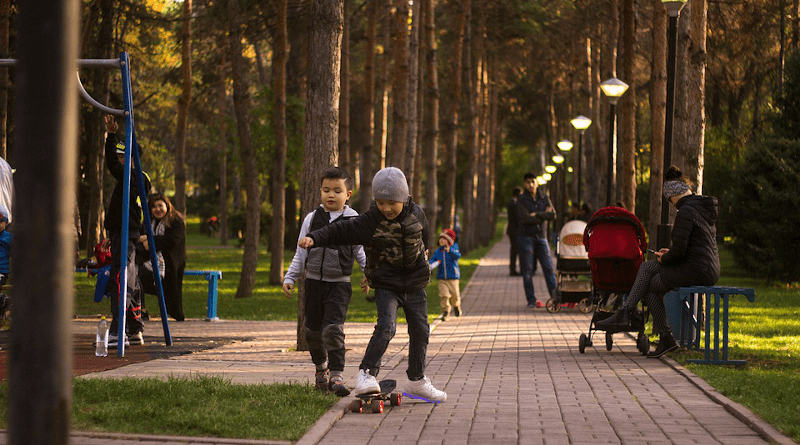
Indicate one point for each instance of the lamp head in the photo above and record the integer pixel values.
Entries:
(614, 89)
(564, 145)
(545, 177)
(581, 122)
(673, 7)
(550, 169)
(558, 159)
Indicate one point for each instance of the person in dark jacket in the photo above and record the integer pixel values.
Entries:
(534, 210)
(393, 232)
(169, 235)
(115, 158)
(513, 231)
(692, 259)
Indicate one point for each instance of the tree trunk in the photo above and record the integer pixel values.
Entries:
(279, 166)
(627, 175)
(368, 150)
(412, 174)
(322, 108)
(5, 26)
(344, 100)
(398, 136)
(381, 104)
(471, 81)
(451, 127)
(241, 106)
(691, 156)
(658, 104)
(431, 123)
(183, 106)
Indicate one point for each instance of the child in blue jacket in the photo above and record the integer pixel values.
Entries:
(446, 258)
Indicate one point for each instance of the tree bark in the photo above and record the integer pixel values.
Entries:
(413, 100)
(658, 104)
(368, 150)
(184, 101)
(322, 108)
(471, 81)
(279, 165)
(344, 100)
(241, 106)
(627, 175)
(398, 136)
(382, 101)
(5, 26)
(451, 127)
(431, 123)
(691, 156)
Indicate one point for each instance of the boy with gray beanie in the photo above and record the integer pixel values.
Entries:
(393, 232)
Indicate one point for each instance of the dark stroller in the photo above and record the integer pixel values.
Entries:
(573, 271)
(616, 242)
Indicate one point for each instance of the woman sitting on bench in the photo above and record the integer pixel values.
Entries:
(691, 260)
(169, 235)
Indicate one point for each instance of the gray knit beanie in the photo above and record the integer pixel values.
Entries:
(674, 188)
(390, 183)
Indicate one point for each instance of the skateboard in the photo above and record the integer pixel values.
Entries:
(375, 401)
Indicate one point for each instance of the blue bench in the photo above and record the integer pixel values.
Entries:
(213, 277)
(683, 311)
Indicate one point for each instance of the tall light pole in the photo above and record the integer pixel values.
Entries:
(565, 146)
(581, 123)
(613, 89)
(673, 11)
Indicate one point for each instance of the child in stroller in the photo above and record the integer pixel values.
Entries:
(616, 242)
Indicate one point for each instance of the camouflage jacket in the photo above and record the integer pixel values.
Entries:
(396, 250)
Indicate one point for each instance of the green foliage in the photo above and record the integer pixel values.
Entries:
(764, 203)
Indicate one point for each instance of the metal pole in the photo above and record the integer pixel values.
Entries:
(564, 195)
(580, 163)
(40, 362)
(665, 228)
(610, 174)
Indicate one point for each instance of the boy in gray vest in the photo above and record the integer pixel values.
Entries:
(393, 232)
(327, 285)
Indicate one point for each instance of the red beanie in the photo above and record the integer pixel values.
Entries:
(449, 235)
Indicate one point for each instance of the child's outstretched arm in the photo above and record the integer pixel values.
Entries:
(298, 261)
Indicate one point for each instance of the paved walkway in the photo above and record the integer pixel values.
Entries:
(513, 376)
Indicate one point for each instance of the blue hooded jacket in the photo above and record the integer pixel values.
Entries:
(448, 266)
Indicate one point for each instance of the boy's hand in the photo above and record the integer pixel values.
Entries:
(364, 285)
(447, 248)
(287, 289)
(111, 124)
(306, 242)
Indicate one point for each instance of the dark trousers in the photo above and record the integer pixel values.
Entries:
(415, 307)
(133, 314)
(513, 252)
(325, 313)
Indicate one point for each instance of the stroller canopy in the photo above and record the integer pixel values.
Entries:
(570, 240)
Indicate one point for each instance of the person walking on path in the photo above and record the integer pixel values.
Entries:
(513, 231)
(692, 259)
(534, 209)
(115, 158)
(327, 286)
(445, 257)
(393, 232)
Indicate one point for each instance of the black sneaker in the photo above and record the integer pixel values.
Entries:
(445, 316)
(336, 386)
(457, 311)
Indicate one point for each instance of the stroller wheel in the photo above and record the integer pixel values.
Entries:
(585, 305)
(643, 343)
(609, 341)
(553, 306)
(582, 343)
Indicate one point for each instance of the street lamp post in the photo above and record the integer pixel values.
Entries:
(565, 146)
(673, 11)
(613, 89)
(581, 123)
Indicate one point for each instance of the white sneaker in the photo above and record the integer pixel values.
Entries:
(366, 383)
(424, 390)
(137, 339)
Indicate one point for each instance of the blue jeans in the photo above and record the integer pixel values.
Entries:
(532, 249)
(415, 306)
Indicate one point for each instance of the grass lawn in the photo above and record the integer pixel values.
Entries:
(766, 334)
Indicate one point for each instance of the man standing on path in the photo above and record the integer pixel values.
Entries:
(512, 230)
(534, 209)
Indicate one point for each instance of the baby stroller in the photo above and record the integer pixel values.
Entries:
(573, 271)
(616, 242)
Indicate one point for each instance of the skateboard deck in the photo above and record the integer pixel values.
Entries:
(375, 401)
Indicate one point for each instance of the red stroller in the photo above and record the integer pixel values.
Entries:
(616, 242)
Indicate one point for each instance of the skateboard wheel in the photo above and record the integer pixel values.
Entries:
(355, 406)
(395, 399)
(377, 406)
